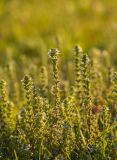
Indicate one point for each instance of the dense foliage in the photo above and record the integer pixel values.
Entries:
(59, 114)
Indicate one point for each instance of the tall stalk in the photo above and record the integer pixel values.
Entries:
(54, 53)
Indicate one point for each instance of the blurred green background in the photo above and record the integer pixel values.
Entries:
(34, 26)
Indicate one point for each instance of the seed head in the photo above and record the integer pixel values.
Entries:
(78, 49)
(54, 52)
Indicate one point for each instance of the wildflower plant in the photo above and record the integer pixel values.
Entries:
(54, 53)
(78, 60)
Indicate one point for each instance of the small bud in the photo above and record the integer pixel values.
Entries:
(54, 52)
(96, 110)
(78, 49)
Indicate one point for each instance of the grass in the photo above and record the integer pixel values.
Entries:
(38, 25)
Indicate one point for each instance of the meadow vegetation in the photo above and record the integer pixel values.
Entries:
(47, 116)
(58, 103)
